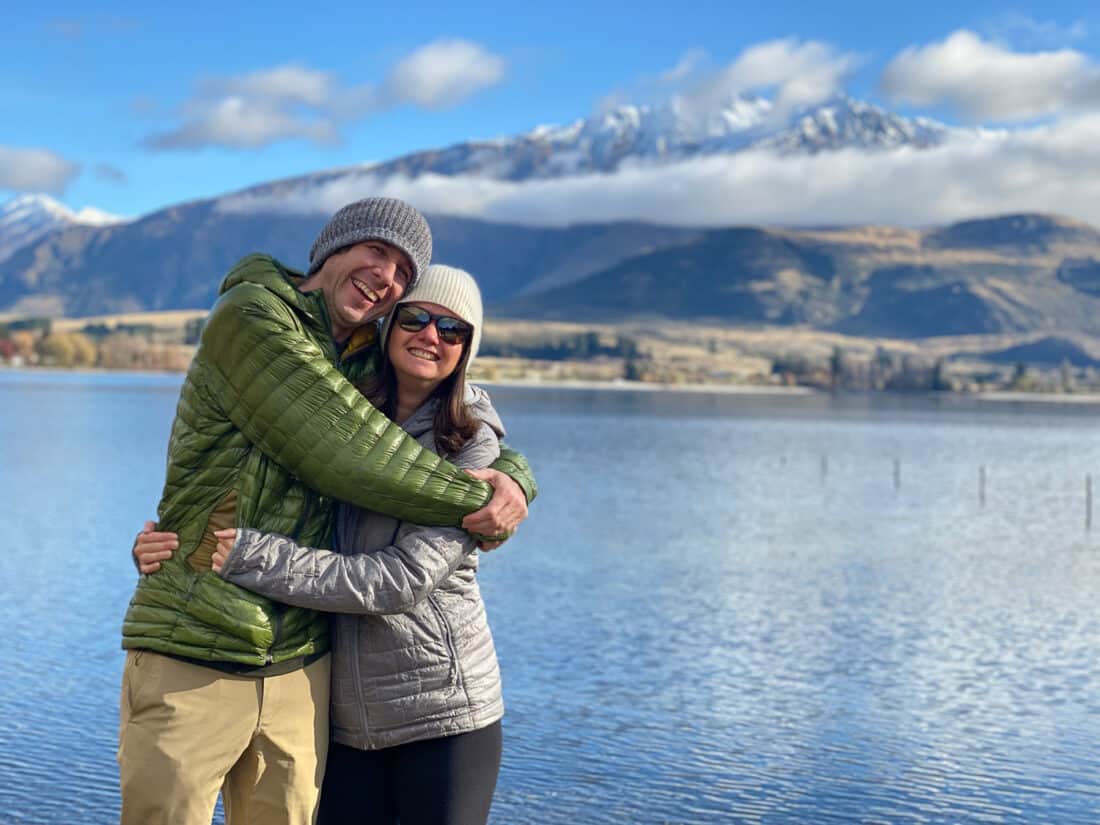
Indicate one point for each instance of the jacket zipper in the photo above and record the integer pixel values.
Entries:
(354, 656)
(303, 517)
(277, 615)
(448, 640)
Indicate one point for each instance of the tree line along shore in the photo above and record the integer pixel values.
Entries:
(657, 352)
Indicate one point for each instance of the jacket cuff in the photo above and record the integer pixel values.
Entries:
(518, 471)
(244, 534)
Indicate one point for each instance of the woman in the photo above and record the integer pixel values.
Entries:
(416, 700)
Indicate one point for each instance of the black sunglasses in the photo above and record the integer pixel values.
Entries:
(451, 330)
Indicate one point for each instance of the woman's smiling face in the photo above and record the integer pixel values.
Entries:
(423, 355)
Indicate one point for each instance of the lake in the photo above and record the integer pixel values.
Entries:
(724, 608)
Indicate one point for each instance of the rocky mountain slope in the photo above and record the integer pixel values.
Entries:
(1010, 274)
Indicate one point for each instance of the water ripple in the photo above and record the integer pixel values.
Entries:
(697, 625)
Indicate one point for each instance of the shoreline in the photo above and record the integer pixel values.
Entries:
(621, 385)
(643, 386)
(1040, 397)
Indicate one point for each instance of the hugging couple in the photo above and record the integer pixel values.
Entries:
(312, 570)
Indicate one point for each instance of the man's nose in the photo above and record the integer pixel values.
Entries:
(385, 271)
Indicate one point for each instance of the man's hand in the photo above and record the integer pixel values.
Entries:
(503, 514)
(151, 548)
(226, 540)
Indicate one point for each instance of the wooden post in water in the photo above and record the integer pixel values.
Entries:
(897, 474)
(1088, 501)
(981, 485)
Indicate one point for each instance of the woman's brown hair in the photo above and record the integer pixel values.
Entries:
(453, 424)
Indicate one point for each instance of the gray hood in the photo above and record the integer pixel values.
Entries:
(481, 406)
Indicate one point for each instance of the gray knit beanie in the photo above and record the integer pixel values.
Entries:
(376, 219)
(449, 287)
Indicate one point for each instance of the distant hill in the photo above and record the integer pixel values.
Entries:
(1025, 234)
(1049, 351)
(175, 258)
(1018, 273)
(736, 275)
(1012, 274)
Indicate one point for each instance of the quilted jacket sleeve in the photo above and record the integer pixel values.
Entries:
(391, 580)
(276, 384)
(515, 464)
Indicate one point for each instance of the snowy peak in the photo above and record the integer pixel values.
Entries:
(601, 143)
(27, 218)
(851, 124)
(626, 135)
(641, 135)
(43, 207)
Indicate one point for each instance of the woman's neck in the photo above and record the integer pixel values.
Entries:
(411, 394)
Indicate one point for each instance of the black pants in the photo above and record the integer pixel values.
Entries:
(445, 781)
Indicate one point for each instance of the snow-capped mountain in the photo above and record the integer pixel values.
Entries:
(628, 134)
(671, 131)
(25, 219)
(852, 124)
(283, 216)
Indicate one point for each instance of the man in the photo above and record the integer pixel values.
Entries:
(223, 689)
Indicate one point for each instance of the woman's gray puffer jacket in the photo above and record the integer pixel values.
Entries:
(413, 657)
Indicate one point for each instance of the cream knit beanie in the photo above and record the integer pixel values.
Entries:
(449, 287)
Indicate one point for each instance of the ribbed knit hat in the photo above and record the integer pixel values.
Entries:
(376, 219)
(449, 287)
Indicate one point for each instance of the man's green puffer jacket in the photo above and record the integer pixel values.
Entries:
(267, 432)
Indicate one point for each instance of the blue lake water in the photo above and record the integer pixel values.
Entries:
(723, 608)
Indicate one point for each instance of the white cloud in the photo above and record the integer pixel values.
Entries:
(1044, 169)
(240, 123)
(298, 102)
(109, 173)
(280, 85)
(794, 73)
(789, 72)
(256, 109)
(1015, 27)
(981, 79)
(665, 87)
(35, 170)
(688, 64)
(443, 74)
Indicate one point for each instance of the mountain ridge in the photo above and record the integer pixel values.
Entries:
(27, 218)
(1001, 273)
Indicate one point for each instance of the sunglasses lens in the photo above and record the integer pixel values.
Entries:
(452, 330)
(412, 319)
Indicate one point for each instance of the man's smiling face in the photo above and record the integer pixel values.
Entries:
(361, 284)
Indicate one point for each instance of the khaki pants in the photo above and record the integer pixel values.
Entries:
(187, 731)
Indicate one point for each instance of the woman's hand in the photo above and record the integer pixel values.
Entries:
(226, 539)
(151, 548)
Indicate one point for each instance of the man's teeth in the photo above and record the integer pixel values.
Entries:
(423, 354)
(368, 293)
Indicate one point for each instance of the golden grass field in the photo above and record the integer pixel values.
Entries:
(671, 352)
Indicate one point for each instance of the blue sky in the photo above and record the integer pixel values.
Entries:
(129, 111)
